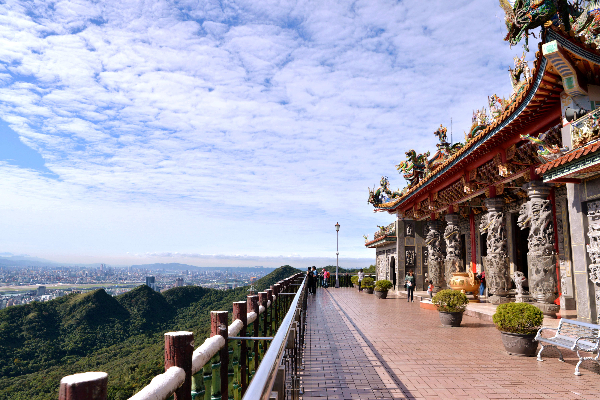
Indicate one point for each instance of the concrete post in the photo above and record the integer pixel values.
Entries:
(179, 347)
(85, 386)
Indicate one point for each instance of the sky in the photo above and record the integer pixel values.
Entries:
(227, 132)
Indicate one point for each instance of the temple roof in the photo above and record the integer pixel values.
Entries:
(534, 110)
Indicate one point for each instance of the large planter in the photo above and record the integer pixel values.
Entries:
(368, 290)
(381, 295)
(517, 344)
(451, 318)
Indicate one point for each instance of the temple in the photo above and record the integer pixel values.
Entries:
(520, 197)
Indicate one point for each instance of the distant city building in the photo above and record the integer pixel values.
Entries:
(151, 282)
(41, 290)
(179, 282)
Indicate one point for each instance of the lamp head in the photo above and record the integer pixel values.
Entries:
(337, 226)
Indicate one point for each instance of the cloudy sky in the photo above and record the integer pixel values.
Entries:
(195, 131)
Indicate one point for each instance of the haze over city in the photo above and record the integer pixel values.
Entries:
(228, 134)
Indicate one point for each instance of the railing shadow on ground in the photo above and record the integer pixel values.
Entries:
(226, 365)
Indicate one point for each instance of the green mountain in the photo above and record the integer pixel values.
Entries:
(42, 342)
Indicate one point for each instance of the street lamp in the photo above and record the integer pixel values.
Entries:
(337, 253)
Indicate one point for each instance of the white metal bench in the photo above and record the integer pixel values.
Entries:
(574, 335)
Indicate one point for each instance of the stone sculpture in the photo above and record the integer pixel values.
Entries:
(519, 280)
(536, 215)
(435, 258)
(593, 248)
(453, 261)
(496, 261)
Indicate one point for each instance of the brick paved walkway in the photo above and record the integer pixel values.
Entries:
(360, 347)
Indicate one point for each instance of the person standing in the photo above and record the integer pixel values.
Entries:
(482, 286)
(309, 280)
(410, 286)
(315, 278)
(430, 290)
(325, 278)
(361, 276)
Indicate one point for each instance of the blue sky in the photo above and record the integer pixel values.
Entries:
(224, 132)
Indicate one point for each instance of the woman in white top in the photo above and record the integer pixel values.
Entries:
(361, 276)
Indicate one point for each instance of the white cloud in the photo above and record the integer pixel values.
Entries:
(235, 127)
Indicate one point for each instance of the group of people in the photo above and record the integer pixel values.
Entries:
(313, 277)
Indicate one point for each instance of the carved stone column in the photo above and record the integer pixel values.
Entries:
(435, 258)
(536, 215)
(497, 274)
(453, 261)
(593, 248)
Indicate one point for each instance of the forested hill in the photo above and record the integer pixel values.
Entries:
(42, 342)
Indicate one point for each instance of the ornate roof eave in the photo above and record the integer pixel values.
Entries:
(511, 114)
(381, 241)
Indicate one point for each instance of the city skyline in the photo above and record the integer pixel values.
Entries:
(234, 134)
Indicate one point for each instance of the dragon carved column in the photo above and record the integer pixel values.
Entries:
(536, 215)
(435, 258)
(496, 262)
(453, 261)
(593, 248)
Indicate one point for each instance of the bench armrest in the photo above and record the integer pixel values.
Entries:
(539, 332)
(590, 338)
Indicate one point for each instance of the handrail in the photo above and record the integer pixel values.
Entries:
(262, 382)
(164, 385)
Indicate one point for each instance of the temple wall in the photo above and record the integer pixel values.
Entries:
(383, 261)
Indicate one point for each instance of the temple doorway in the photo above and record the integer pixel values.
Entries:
(482, 249)
(521, 236)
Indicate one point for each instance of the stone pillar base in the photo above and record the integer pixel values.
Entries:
(548, 309)
(523, 298)
(542, 278)
(436, 274)
(451, 265)
(495, 299)
(497, 278)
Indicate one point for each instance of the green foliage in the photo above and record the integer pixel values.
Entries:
(367, 283)
(42, 342)
(383, 285)
(354, 279)
(370, 270)
(520, 318)
(450, 300)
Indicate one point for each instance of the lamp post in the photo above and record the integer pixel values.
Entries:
(337, 253)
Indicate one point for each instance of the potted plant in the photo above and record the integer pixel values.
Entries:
(451, 305)
(367, 284)
(354, 280)
(381, 288)
(518, 324)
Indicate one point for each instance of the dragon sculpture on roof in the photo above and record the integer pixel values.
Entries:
(479, 122)
(445, 149)
(383, 194)
(525, 15)
(519, 76)
(587, 20)
(414, 168)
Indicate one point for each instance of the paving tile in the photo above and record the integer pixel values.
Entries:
(360, 347)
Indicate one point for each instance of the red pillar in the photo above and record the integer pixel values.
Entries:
(473, 242)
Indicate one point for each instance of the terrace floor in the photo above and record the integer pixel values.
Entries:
(360, 347)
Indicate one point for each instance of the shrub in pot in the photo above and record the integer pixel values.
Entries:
(354, 280)
(368, 284)
(381, 288)
(451, 305)
(518, 324)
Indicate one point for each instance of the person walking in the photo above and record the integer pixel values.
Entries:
(361, 276)
(410, 285)
(430, 290)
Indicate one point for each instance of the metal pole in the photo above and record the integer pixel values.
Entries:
(337, 258)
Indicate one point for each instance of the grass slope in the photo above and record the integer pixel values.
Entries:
(42, 342)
